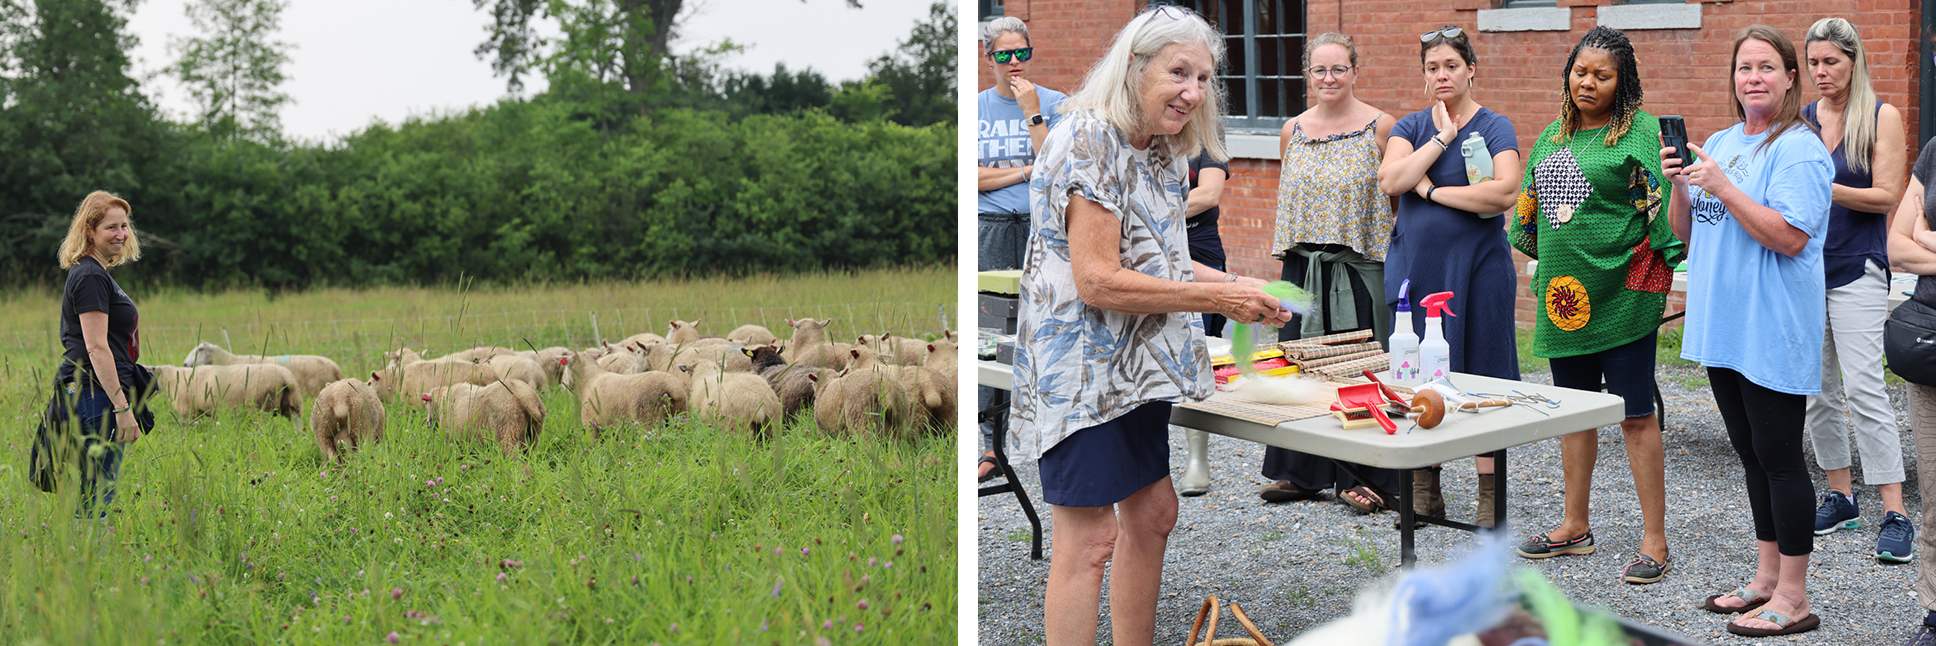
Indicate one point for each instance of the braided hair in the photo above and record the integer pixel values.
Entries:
(1627, 95)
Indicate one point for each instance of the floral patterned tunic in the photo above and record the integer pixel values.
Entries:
(1591, 214)
(1076, 365)
(1328, 194)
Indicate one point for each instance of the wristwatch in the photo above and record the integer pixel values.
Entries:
(1035, 120)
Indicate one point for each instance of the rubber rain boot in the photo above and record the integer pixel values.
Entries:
(1196, 468)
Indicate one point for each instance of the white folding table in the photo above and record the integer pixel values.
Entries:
(1462, 435)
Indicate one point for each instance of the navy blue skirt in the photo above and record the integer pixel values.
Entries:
(1103, 464)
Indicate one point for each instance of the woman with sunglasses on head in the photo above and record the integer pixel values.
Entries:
(1333, 227)
(1444, 237)
(1753, 207)
(1589, 212)
(1109, 337)
(1012, 119)
(1866, 140)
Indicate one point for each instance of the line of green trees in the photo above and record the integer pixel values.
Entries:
(633, 161)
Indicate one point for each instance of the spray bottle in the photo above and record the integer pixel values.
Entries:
(1402, 349)
(1434, 354)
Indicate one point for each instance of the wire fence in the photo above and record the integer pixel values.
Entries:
(357, 344)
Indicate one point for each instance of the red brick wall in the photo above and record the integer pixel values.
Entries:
(1684, 72)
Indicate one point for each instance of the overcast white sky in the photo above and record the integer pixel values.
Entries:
(357, 61)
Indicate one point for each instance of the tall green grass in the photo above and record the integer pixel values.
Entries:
(233, 530)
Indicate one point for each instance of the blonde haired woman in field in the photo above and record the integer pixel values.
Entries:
(98, 385)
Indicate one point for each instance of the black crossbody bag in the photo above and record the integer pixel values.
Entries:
(56, 441)
(1909, 339)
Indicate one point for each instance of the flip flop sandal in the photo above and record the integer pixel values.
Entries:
(1374, 504)
(1787, 626)
(1753, 601)
(992, 473)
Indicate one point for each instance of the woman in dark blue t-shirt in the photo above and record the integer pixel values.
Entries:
(1445, 234)
(100, 342)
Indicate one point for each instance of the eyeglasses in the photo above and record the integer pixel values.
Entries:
(1448, 32)
(1173, 12)
(1328, 72)
(1020, 54)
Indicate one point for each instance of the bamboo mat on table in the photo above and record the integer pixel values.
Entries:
(1228, 405)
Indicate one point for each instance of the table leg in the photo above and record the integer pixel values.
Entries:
(1499, 491)
(1406, 557)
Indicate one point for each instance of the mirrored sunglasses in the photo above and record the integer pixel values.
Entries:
(1020, 54)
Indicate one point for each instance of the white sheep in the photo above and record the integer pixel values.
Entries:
(931, 396)
(751, 335)
(681, 332)
(479, 354)
(810, 347)
(607, 398)
(202, 390)
(512, 366)
(641, 338)
(860, 402)
(735, 396)
(507, 413)
(349, 412)
(312, 371)
(411, 376)
(548, 361)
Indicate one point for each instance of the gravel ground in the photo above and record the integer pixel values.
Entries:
(1297, 565)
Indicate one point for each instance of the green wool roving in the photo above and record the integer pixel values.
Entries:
(1243, 343)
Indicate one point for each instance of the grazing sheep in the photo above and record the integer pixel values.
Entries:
(895, 350)
(312, 371)
(511, 366)
(682, 332)
(346, 411)
(863, 401)
(751, 335)
(790, 382)
(810, 347)
(641, 338)
(411, 377)
(736, 396)
(507, 413)
(932, 397)
(607, 398)
(548, 361)
(479, 354)
(621, 362)
(202, 390)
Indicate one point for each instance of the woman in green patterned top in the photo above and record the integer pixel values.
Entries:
(1590, 213)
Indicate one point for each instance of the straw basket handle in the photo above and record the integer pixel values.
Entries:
(1207, 614)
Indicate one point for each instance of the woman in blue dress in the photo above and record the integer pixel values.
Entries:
(1445, 235)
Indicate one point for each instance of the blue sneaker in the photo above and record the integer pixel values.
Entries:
(1897, 540)
(1925, 636)
(1837, 512)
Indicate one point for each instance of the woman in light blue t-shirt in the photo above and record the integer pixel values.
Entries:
(1754, 209)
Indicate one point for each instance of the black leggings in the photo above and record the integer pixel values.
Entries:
(1766, 429)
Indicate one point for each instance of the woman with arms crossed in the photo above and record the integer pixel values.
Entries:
(1444, 237)
(1865, 137)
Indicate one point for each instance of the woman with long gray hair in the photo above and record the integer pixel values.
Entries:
(1108, 337)
(1866, 140)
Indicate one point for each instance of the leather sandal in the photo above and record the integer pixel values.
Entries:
(992, 473)
(1373, 505)
(1786, 625)
(1753, 601)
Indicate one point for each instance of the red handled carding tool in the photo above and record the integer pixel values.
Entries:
(1367, 396)
(1390, 395)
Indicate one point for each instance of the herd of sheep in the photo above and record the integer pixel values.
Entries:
(749, 380)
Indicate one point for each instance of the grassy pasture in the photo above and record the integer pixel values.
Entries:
(232, 530)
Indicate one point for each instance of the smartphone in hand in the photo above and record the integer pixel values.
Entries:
(1673, 133)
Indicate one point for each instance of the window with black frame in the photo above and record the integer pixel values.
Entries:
(1263, 67)
(985, 9)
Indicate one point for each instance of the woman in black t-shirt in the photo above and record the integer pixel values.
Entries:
(100, 340)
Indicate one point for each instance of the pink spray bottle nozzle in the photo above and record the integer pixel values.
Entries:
(1435, 303)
